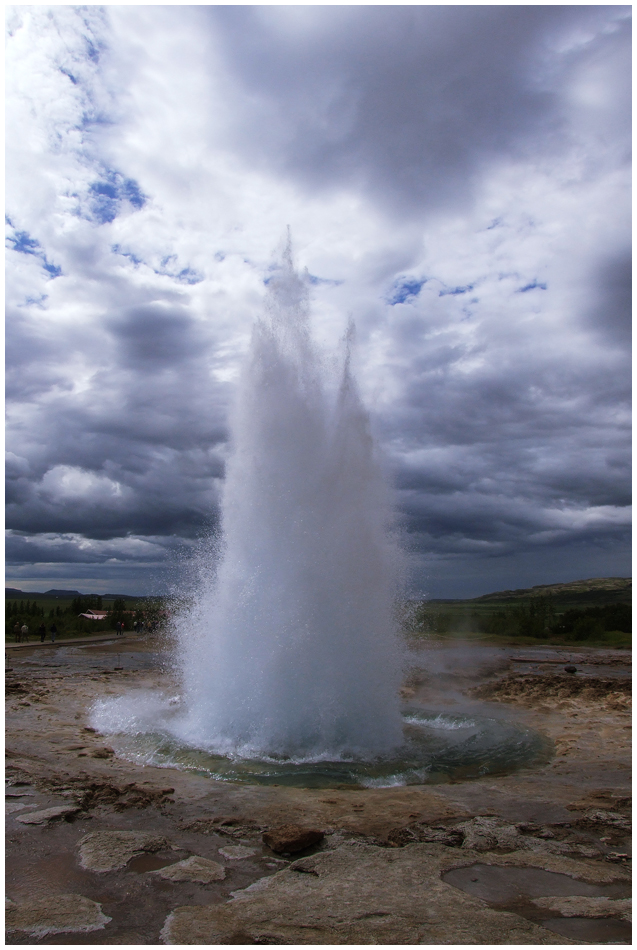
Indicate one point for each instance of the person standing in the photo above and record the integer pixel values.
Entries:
(53, 630)
(16, 631)
(118, 628)
(24, 633)
(42, 632)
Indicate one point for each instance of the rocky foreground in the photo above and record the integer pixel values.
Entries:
(103, 851)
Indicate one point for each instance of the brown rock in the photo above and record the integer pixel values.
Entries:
(286, 839)
(62, 913)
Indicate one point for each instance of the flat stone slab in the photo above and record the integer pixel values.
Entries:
(363, 894)
(195, 869)
(48, 814)
(62, 913)
(109, 850)
(236, 852)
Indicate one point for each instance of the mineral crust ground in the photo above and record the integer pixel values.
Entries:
(119, 853)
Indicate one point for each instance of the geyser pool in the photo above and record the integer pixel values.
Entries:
(436, 747)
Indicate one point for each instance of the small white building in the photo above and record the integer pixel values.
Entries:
(94, 615)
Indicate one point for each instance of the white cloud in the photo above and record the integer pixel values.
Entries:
(155, 156)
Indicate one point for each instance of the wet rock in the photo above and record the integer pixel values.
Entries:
(357, 894)
(195, 869)
(62, 913)
(489, 834)
(109, 850)
(105, 753)
(605, 819)
(586, 906)
(231, 826)
(48, 814)
(133, 795)
(570, 669)
(398, 837)
(287, 839)
(236, 852)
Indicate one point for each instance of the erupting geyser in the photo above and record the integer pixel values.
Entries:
(290, 648)
(288, 654)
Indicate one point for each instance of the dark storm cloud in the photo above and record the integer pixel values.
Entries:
(410, 103)
(136, 451)
(155, 335)
(72, 549)
(611, 313)
(500, 349)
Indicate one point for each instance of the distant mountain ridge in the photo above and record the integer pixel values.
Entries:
(13, 593)
(615, 585)
(592, 592)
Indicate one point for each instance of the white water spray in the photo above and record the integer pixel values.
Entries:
(290, 649)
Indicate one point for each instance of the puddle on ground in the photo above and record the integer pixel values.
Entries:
(149, 862)
(498, 885)
(590, 930)
(24, 879)
(512, 888)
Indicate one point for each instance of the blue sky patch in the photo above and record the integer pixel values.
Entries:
(69, 75)
(405, 288)
(534, 285)
(108, 194)
(34, 301)
(187, 275)
(23, 243)
(454, 291)
(116, 249)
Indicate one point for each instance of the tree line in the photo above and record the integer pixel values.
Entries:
(151, 612)
(537, 618)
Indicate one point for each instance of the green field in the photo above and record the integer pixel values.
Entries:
(594, 612)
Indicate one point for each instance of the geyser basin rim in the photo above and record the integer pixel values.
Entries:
(437, 748)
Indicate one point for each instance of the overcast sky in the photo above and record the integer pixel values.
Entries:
(455, 178)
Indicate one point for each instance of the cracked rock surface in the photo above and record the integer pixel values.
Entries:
(357, 894)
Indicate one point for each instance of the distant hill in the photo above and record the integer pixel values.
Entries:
(61, 593)
(594, 591)
(608, 589)
(13, 593)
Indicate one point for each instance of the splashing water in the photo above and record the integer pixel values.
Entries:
(289, 655)
(290, 649)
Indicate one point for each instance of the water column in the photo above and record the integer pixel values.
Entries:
(290, 648)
